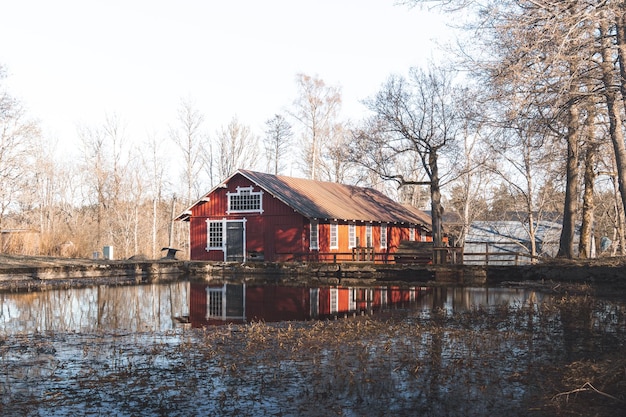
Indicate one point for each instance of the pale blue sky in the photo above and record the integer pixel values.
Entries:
(73, 61)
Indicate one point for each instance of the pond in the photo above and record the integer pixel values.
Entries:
(161, 307)
(191, 348)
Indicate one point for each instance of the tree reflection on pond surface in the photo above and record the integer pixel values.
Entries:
(160, 307)
(191, 348)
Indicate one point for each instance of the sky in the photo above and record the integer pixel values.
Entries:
(73, 62)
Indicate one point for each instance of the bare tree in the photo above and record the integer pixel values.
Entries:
(17, 134)
(96, 174)
(153, 163)
(471, 174)
(335, 164)
(191, 140)
(316, 108)
(105, 172)
(39, 199)
(237, 148)
(416, 118)
(277, 141)
(528, 161)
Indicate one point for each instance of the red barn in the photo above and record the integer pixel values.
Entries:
(257, 216)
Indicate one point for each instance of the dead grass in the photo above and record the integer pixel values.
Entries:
(514, 361)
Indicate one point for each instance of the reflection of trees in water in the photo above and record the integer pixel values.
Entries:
(458, 299)
(484, 361)
(140, 308)
(134, 308)
(589, 326)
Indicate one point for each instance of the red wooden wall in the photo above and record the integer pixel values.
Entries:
(279, 232)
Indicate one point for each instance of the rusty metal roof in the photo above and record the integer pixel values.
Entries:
(333, 201)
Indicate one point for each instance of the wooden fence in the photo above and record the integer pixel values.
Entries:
(443, 255)
(497, 254)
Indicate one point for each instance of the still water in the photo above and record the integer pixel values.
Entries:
(161, 307)
(164, 349)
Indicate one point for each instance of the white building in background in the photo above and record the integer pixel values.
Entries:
(506, 242)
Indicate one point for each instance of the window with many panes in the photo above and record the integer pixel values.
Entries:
(215, 302)
(368, 235)
(334, 236)
(245, 200)
(351, 235)
(314, 238)
(215, 234)
(383, 236)
(334, 300)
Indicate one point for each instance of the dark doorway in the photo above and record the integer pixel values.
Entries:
(234, 241)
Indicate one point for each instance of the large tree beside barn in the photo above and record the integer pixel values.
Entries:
(414, 118)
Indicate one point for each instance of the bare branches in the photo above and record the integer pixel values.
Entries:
(278, 135)
(414, 121)
(586, 387)
(237, 148)
(316, 109)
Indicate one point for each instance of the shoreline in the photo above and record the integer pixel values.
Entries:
(31, 273)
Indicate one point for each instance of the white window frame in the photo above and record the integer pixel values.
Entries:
(334, 236)
(412, 233)
(315, 302)
(369, 239)
(351, 236)
(383, 235)
(247, 192)
(314, 235)
(222, 223)
(353, 298)
(334, 300)
(216, 303)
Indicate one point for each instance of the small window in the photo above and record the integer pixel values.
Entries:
(245, 201)
(314, 238)
(383, 236)
(351, 236)
(353, 298)
(215, 303)
(368, 235)
(215, 235)
(334, 236)
(334, 300)
(412, 233)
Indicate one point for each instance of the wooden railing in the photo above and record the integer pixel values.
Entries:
(441, 255)
(501, 257)
(447, 255)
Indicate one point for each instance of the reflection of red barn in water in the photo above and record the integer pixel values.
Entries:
(238, 303)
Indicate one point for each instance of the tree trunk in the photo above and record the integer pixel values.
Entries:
(618, 235)
(584, 245)
(436, 207)
(566, 242)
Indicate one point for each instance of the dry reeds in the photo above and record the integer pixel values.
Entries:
(514, 360)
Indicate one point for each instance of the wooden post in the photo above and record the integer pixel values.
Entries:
(486, 253)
